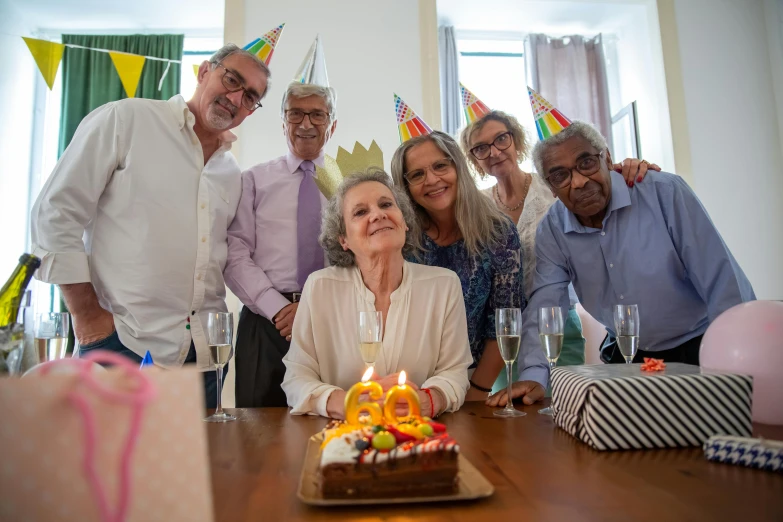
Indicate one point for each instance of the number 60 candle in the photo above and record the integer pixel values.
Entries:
(401, 392)
(352, 405)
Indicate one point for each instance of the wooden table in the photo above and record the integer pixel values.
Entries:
(539, 472)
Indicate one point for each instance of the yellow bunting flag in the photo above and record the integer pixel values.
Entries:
(129, 68)
(195, 68)
(47, 55)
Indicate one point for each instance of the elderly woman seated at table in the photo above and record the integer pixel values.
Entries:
(368, 227)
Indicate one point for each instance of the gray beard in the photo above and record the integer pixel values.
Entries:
(218, 119)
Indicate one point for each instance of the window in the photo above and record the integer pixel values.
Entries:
(494, 70)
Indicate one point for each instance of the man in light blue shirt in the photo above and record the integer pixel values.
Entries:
(652, 245)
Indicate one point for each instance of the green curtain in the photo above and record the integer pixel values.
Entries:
(90, 80)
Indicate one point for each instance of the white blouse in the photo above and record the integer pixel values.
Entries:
(425, 334)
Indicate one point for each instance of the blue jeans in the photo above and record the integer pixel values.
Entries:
(112, 344)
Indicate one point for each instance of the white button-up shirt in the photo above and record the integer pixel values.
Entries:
(132, 208)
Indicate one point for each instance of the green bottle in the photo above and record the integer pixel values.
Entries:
(13, 290)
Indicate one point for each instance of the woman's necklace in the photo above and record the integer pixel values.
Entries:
(521, 201)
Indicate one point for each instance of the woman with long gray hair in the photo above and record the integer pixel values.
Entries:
(367, 228)
(465, 232)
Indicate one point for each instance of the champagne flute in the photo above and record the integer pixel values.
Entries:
(220, 334)
(508, 329)
(551, 332)
(626, 324)
(370, 336)
(51, 335)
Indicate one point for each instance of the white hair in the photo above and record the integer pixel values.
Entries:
(303, 90)
(577, 128)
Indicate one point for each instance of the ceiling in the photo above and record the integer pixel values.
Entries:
(553, 17)
(194, 17)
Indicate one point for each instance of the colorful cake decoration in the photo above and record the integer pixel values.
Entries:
(475, 109)
(313, 68)
(409, 123)
(264, 47)
(549, 121)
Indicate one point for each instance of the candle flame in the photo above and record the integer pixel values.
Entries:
(401, 380)
(367, 374)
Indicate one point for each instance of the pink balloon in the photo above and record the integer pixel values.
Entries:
(748, 339)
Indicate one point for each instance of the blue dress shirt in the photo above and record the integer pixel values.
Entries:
(657, 249)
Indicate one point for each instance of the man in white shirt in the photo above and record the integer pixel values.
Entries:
(132, 222)
(273, 241)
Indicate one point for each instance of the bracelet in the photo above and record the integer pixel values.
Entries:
(479, 388)
(432, 403)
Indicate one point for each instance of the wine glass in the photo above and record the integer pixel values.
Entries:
(626, 325)
(508, 330)
(370, 336)
(51, 335)
(551, 332)
(220, 334)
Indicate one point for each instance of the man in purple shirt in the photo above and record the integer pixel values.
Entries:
(273, 242)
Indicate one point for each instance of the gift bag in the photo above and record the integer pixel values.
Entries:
(100, 445)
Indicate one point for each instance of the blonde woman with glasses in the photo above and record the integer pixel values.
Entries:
(465, 232)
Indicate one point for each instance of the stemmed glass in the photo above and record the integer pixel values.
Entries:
(370, 336)
(220, 336)
(551, 332)
(626, 324)
(508, 330)
(51, 335)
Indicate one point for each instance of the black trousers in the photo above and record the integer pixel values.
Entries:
(259, 362)
(687, 352)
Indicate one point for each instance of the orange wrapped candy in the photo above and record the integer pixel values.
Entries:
(653, 365)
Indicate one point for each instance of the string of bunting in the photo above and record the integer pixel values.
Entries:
(48, 56)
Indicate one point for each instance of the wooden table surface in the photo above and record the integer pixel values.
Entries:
(539, 472)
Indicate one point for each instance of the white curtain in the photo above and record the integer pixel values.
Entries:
(570, 72)
(450, 104)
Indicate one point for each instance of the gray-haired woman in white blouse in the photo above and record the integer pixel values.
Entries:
(367, 227)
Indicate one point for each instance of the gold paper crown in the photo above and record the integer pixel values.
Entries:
(347, 163)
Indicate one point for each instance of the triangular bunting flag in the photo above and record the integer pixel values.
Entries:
(129, 67)
(549, 121)
(474, 108)
(195, 68)
(264, 47)
(47, 56)
(409, 123)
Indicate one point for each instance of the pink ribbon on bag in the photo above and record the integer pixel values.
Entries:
(138, 397)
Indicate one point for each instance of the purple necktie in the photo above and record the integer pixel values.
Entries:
(310, 255)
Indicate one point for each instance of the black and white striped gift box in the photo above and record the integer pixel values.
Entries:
(617, 406)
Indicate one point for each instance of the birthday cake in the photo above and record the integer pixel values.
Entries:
(406, 458)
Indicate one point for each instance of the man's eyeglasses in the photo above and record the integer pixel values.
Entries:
(298, 115)
(587, 166)
(501, 142)
(439, 168)
(250, 100)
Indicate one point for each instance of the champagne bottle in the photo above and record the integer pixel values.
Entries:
(13, 290)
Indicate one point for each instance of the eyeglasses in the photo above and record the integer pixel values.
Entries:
(587, 166)
(501, 142)
(250, 100)
(298, 115)
(439, 168)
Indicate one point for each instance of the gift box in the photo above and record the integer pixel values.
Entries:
(614, 406)
(742, 451)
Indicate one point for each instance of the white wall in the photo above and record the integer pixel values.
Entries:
(372, 50)
(734, 131)
(17, 85)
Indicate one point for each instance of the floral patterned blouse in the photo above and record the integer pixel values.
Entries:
(490, 279)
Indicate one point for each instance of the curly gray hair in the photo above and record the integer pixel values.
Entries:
(229, 49)
(333, 223)
(577, 128)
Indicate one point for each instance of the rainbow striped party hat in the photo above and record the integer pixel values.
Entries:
(549, 121)
(264, 47)
(409, 123)
(475, 109)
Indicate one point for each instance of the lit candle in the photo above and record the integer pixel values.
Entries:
(352, 405)
(401, 392)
